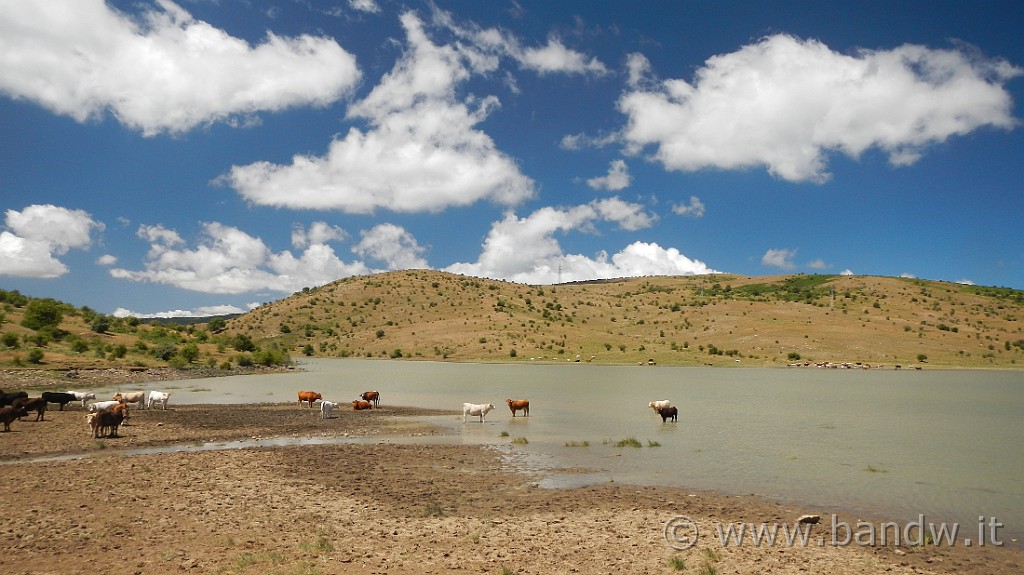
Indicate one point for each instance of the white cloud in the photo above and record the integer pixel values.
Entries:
(909, 276)
(525, 249)
(847, 272)
(39, 233)
(966, 282)
(202, 311)
(786, 103)
(818, 264)
(365, 5)
(779, 258)
(555, 57)
(106, 260)
(318, 233)
(695, 209)
(618, 177)
(422, 153)
(393, 245)
(161, 71)
(229, 261)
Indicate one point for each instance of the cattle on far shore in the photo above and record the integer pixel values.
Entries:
(309, 397)
(519, 404)
(84, 397)
(36, 404)
(327, 409)
(371, 396)
(359, 405)
(8, 398)
(475, 409)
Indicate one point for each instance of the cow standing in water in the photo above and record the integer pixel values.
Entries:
(480, 409)
(516, 404)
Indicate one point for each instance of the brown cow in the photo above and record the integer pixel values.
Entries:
(106, 422)
(9, 413)
(309, 397)
(517, 404)
(371, 396)
(36, 404)
(358, 405)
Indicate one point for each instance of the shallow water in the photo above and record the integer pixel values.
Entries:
(945, 444)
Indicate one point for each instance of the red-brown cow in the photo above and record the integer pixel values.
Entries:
(309, 397)
(371, 396)
(517, 404)
(358, 405)
(36, 404)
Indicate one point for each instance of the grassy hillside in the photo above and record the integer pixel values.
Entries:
(713, 320)
(419, 314)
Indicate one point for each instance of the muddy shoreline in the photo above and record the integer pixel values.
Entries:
(369, 508)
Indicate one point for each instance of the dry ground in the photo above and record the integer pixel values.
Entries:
(363, 509)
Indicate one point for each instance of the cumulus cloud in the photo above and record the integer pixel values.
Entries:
(782, 259)
(786, 103)
(161, 71)
(846, 272)
(230, 261)
(695, 209)
(618, 178)
(908, 276)
(38, 234)
(422, 152)
(555, 57)
(318, 233)
(525, 250)
(202, 311)
(966, 282)
(393, 245)
(818, 264)
(106, 260)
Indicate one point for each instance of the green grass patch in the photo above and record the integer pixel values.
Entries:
(629, 442)
(520, 440)
(577, 444)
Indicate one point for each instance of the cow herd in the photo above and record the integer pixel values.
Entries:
(367, 400)
(103, 419)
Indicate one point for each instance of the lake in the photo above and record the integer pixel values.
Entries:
(947, 444)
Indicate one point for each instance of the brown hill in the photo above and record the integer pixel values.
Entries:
(709, 320)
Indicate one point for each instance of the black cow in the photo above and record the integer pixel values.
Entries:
(8, 398)
(107, 421)
(58, 397)
(668, 412)
(10, 413)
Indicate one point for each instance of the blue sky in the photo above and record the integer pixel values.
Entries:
(162, 158)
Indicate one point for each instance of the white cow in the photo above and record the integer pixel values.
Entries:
(159, 398)
(480, 409)
(657, 406)
(327, 409)
(101, 406)
(84, 396)
(136, 397)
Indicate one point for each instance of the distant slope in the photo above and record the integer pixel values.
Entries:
(695, 320)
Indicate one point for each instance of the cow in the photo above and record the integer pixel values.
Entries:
(517, 404)
(327, 409)
(101, 406)
(371, 396)
(309, 397)
(58, 397)
(105, 424)
(84, 397)
(36, 404)
(137, 397)
(656, 405)
(8, 398)
(9, 413)
(667, 413)
(359, 405)
(158, 398)
(480, 409)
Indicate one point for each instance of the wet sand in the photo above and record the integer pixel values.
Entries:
(377, 507)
